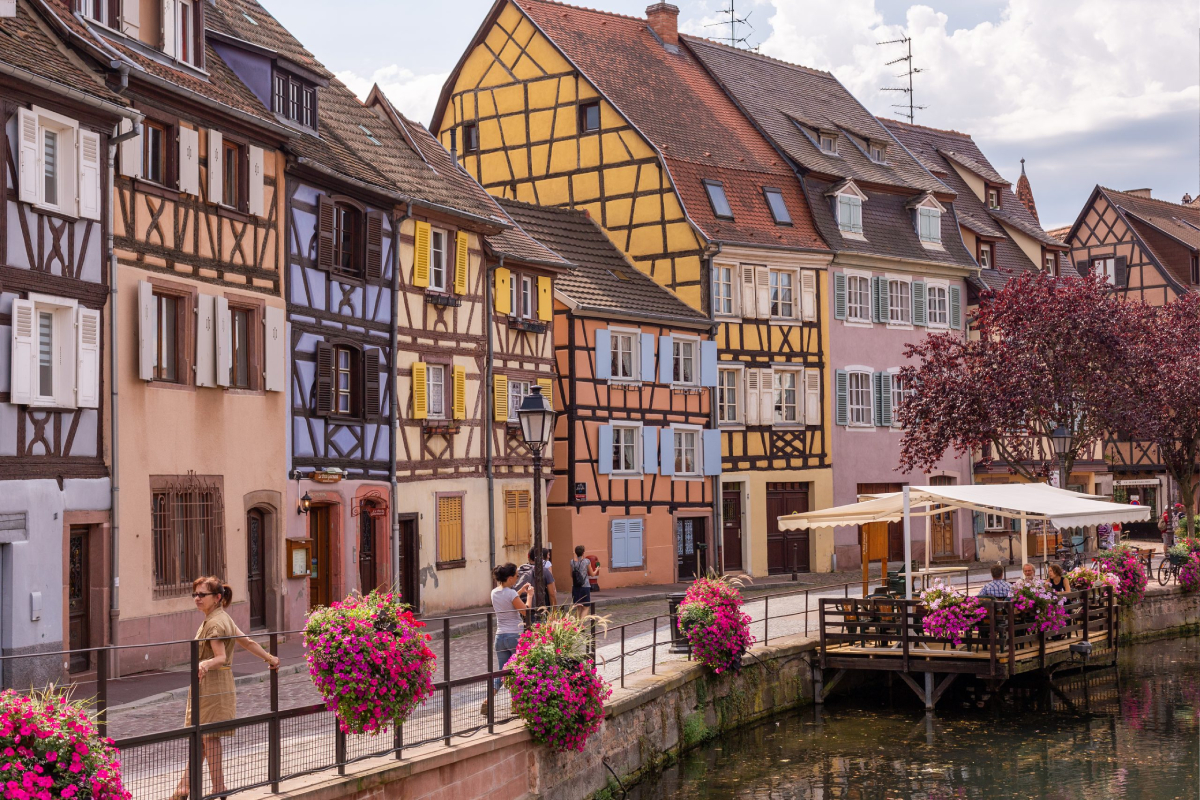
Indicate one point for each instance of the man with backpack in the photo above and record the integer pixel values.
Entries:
(582, 571)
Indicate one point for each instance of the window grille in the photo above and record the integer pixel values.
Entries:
(188, 524)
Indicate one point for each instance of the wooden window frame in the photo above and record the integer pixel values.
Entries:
(739, 393)
(470, 137)
(183, 309)
(991, 251)
(639, 457)
(777, 416)
(865, 318)
(635, 354)
(447, 285)
(513, 382)
(832, 139)
(241, 183)
(732, 283)
(445, 370)
(167, 178)
(294, 99)
(676, 360)
(458, 563)
(895, 310)
(356, 389)
(795, 288)
(170, 578)
(697, 434)
(257, 354)
(343, 211)
(1195, 268)
(988, 190)
(930, 287)
(869, 377)
(447, 364)
(584, 107)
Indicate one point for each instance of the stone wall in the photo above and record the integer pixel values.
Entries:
(1165, 611)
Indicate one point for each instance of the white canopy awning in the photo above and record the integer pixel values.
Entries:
(1028, 501)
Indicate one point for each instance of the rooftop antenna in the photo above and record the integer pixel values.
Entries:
(734, 20)
(908, 73)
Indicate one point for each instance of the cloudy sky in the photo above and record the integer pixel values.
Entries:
(1087, 91)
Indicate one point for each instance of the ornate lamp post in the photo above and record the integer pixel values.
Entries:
(537, 421)
(1060, 440)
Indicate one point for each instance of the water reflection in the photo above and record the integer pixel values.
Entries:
(1125, 732)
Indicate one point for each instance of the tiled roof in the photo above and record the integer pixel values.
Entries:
(657, 89)
(775, 94)
(27, 42)
(1060, 233)
(1025, 193)
(982, 169)
(1174, 219)
(600, 277)
(247, 20)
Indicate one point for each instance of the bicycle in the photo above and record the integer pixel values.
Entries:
(1168, 570)
(1071, 556)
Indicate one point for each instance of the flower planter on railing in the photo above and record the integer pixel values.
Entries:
(711, 617)
(1123, 562)
(1036, 601)
(950, 614)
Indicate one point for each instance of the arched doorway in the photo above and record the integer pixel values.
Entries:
(256, 578)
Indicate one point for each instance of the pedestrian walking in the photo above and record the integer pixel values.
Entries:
(507, 603)
(525, 577)
(582, 570)
(218, 698)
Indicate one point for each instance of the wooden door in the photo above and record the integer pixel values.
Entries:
(319, 588)
(895, 530)
(787, 551)
(78, 592)
(731, 520)
(691, 560)
(410, 583)
(366, 549)
(941, 526)
(256, 581)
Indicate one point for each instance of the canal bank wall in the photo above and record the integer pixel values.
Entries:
(1164, 612)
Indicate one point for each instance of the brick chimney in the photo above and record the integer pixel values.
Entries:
(1139, 193)
(664, 21)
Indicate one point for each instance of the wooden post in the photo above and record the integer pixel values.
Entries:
(866, 557)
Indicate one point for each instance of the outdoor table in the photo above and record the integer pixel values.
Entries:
(929, 573)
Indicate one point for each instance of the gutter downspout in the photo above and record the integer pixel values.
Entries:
(395, 404)
(489, 412)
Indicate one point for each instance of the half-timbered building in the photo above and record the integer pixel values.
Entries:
(900, 269)
(199, 344)
(55, 492)
(556, 105)
(634, 452)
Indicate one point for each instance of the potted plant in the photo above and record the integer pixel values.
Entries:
(949, 613)
(711, 618)
(1189, 573)
(1123, 562)
(1085, 578)
(1034, 599)
(369, 660)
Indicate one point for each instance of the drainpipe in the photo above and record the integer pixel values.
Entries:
(395, 404)
(488, 412)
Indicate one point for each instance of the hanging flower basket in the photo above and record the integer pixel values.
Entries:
(1036, 600)
(949, 613)
(554, 684)
(51, 749)
(369, 660)
(710, 616)
(1085, 578)
(1123, 562)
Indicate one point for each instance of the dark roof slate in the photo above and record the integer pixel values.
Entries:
(248, 20)
(1176, 220)
(28, 43)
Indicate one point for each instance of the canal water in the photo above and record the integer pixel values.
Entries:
(1128, 732)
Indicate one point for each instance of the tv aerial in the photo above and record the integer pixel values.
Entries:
(908, 73)
(733, 40)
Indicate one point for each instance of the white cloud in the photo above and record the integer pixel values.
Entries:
(414, 95)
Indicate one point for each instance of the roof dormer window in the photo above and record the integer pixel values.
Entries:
(294, 99)
(993, 197)
(718, 200)
(927, 213)
(829, 144)
(182, 30)
(878, 153)
(98, 10)
(848, 201)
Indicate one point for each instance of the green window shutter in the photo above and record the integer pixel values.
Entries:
(955, 308)
(839, 295)
(842, 385)
(918, 302)
(885, 397)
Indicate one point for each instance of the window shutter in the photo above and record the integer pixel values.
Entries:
(649, 450)
(879, 291)
(666, 451)
(885, 396)
(708, 365)
(131, 149)
(257, 193)
(666, 359)
(918, 302)
(955, 308)
(168, 27)
(224, 342)
(620, 528)
(752, 390)
(89, 175)
(605, 453)
(147, 331)
(877, 399)
(275, 352)
(374, 245)
(633, 542)
(23, 353)
(503, 291)
(500, 398)
(460, 392)
(420, 390)
(812, 397)
(30, 187)
(808, 295)
(206, 340)
(371, 393)
(547, 390)
(323, 382)
(189, 160)
(1121, 271)
(216, 164)
(545, 298)
(461, 261)
(748, 293)
(131, 17)
(325, 212)
(763, 280)
(603, 354)
(422, 235)
(647, 345)
(766, 396)
(839, 295)
(841, 388)
(712, 452)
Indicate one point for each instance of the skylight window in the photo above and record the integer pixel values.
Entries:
(716, 197)
(370, 135)
(779, 209)
(249, 18)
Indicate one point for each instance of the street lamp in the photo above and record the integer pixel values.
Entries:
(537, 420)
(1060, 440)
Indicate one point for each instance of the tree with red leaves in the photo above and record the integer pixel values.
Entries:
(1045, 355)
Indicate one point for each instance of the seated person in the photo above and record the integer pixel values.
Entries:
(997, 588)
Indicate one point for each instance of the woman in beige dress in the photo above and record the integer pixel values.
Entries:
(218, 700)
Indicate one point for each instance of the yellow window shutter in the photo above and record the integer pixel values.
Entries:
(460, 392)
(420, 388)
(545, 299)
(500, 398)
(547, 390)
(503, 291)
(460, 263)
(421, 253)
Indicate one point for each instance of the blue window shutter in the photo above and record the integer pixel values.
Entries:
(620, 548)
(955, 308)
(647, 357)
(649, 450)
(633, 542)
(666, 449)
(839, 295)
(842, 388)
(708, 364)
(712, 452)
(666, 359)
(885, 397)
(918, 302)
(603, 354)
(605, 455)
(979, 520)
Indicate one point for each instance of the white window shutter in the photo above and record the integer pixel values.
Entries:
(206, 340)
(751, 403)
(27, 160)
(766, 383)
(274, 335)
(189, 161)
(89, 175)
(23, 353)
(224, 342)
(808, 295)
(216, 166)
(258, 202)
(131, 152)
(147, 331)
(812, 397)
(763, 280)
(87, 358)
(169, 27)
(131, 17)
(748, 292)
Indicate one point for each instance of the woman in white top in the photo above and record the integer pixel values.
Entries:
(508, 604)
